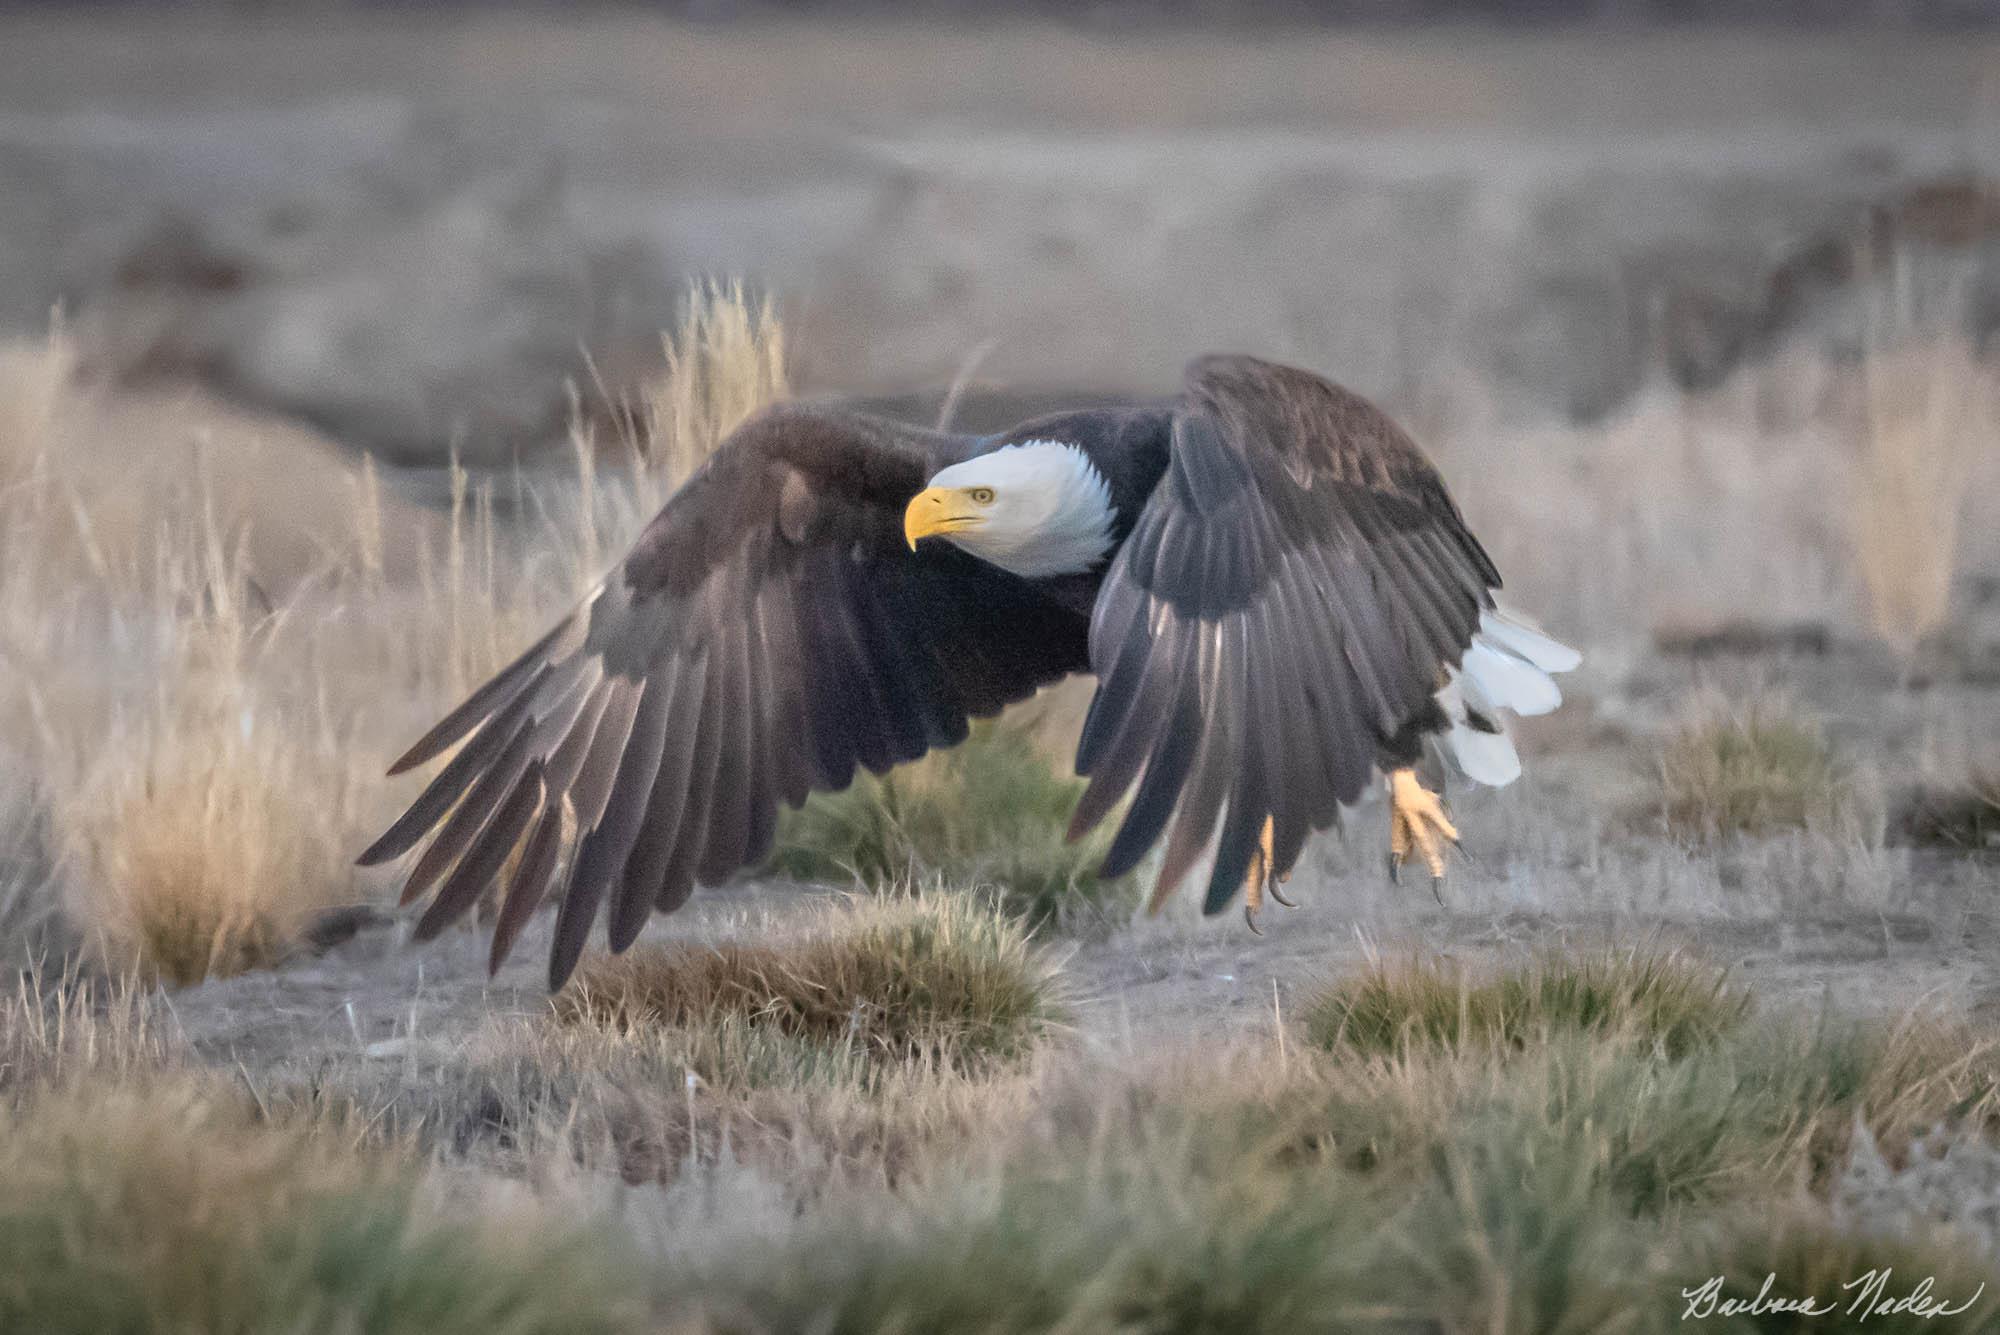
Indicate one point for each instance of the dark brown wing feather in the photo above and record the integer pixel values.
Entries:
(769, 632)
(1281, 610)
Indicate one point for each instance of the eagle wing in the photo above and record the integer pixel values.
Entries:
(1285, 605)
(769, 631)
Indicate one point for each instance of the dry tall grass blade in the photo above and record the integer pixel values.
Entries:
(1929, 409)
(725, 362)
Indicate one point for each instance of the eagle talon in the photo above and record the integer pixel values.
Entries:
(1418, 824)
(1259, 879)
(1275, 893)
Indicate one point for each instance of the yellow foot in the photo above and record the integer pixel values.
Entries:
(1417, 821)
(1260, 880)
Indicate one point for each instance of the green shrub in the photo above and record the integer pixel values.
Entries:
(990, 812)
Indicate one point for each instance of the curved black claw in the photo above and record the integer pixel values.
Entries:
(1274, 892)
(1395, 870)
(1250, 921)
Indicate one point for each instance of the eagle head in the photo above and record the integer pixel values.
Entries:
(1038, 509)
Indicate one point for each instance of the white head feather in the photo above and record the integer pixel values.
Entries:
(1051, 512)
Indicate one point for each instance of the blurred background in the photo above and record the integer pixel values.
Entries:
(420, 229)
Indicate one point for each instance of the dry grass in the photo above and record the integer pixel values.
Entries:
(1928, 412)
(934, 979)
(1806, 491)
(725, 362)
(666, 1105)
(176, 686)
(1750, 767)
(59, 1032)
(209, 829)
(213, 637)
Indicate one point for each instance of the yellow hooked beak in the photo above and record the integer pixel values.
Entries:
(940, 510)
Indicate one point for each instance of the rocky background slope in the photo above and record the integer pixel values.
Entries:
(415, 234)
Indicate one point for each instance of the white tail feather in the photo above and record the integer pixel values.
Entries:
(1485, 757)
(1507, 631)
(1506, 682)
(1507, 666)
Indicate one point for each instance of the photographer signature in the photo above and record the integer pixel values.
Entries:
(1864, 1296)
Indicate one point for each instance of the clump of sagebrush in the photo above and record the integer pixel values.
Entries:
(991, 812)
(177, 1206)
(933, 979)
(1658, 998)
(1751, 767)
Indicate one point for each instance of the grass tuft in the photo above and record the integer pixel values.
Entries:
(936, 980)
(194, 854)
(1664, 1000)
(1751, 768)
(991, 812)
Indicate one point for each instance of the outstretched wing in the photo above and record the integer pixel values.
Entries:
(1284, 607)
(769, 631)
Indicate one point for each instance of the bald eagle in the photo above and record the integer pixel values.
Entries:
(1269, 580)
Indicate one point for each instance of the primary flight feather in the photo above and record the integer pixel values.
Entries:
(1269, 580)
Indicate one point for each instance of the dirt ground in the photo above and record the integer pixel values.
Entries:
(1571, 855)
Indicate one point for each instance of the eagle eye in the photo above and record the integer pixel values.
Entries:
(982, 495)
